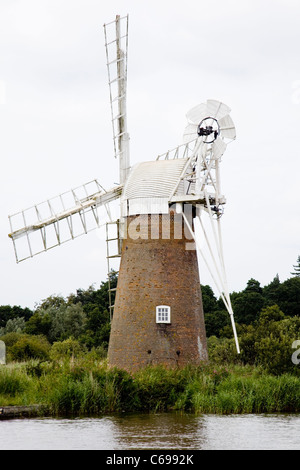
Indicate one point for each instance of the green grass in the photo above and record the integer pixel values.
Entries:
(15, 385)
(88, 387)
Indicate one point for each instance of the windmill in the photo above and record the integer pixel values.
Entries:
(157, 316)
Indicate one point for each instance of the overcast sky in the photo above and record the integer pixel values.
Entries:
(56, 132)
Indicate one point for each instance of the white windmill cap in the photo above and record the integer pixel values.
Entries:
(150, 185)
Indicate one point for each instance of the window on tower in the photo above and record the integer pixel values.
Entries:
(163, 314)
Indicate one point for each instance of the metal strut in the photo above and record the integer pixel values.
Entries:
(223, 291)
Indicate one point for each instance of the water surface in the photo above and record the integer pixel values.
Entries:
(153, 431)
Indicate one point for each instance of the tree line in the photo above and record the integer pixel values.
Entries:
(248, 304)
(82, 318)
(267, 320)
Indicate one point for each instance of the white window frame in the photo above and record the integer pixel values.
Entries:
(163, 314)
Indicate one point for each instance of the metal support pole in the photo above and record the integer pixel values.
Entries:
(226, 298)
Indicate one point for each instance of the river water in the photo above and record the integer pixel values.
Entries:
(153, 431)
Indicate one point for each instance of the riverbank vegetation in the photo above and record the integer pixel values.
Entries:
(87, 387)
(56, 357)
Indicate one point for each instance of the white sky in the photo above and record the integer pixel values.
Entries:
(56, 133)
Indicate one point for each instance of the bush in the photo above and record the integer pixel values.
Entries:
(70, 348)
(222, 350)
(269, 342)
(30, 347)
(11, 338)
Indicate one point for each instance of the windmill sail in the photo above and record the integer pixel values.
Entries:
(116, 44)
(76, 212)
(60, 219)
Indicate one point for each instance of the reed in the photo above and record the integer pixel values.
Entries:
(79, 387)
(14, 383)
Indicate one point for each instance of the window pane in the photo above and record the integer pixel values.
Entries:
(163, 314)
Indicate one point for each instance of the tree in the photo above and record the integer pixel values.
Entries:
(13, 325)
(253, 286)
(215, 315)
(83, 316)
(215, 322)
(268, 341)
(95, 304)
(57, 321)
(270, 291)
(39, 324)
(9, 313)
(270, 314)
(297, 268)
(92, 297)
(288, 296)
(55, 301)
(274, 337)
(69, 322)
(208, 299)
(247, 306)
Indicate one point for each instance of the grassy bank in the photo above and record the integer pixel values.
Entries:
(88, 387)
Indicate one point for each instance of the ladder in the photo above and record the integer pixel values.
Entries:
(113, 252)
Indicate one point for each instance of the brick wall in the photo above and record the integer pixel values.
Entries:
(157, 271)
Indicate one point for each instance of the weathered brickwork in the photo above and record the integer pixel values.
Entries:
(159, 271)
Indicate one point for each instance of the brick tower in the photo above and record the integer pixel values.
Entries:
(158, 315)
